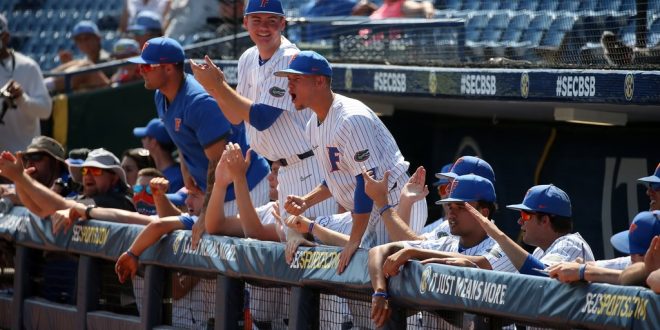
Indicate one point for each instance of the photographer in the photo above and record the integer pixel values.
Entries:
(24, 99)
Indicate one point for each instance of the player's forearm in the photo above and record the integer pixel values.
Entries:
(164, 207)
(249, 219)
(215, 211)
(597, 274)
(377, 256)
(319, 194)
(329, 237)
(397, 228)
(360, 224)
(517, 255)
(634, 274)
(153, 232)
(119, 216)
(653, 281)
(235, 107)
(47, 200)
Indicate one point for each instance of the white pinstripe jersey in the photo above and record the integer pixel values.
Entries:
(566, 248)
(617, 263)
(286, 137)
(451, 244)
(350, 137)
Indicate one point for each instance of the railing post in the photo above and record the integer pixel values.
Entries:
(229, 303)
(152, 307)
(304, 308)
(21, 287)
(398, 319)
(87, 298)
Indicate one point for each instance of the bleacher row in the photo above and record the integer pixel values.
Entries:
(509, 28)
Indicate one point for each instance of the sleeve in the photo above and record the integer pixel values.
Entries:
(207, 120)
(265, 213)
(35, 100)
(499, 260)
(363, 204)
(531, 265)
(187, 220)
(263, 116)
(358, 144)
(566, 249)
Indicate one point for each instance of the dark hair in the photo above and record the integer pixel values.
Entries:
(491, 206)
(140, 156)
(80, 153)
(151, 171)
(561, 225)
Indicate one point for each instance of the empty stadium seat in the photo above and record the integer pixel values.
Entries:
(548, 5)
(528, 5)
(570, 6)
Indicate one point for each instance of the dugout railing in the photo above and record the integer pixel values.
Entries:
(485, 299)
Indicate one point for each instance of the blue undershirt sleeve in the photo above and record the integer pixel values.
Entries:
(530, 264)
(263, 116)
(363, 204)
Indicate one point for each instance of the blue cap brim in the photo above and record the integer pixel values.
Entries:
(286, 72)
(519, 207)
(440, 182)
(137, 60)
(620, 242)
(265, 12)
(651, 178)
(453, 200)
(140, 132)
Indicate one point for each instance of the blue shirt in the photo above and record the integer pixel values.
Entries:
(174, 176)
(321, 8)
(194, 121)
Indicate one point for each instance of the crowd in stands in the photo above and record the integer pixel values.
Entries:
(358, 195)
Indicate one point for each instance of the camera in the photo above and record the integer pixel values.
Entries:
(8, 100)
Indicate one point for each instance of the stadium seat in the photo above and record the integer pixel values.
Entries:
(587, 7)
(541, 21)
(528, 5)
(627, 33)
(628, 8)
(610, 7)
(490, 5)
(471, 5)
(570, 6)
(548, 5)
(508, 5)
(653, 38)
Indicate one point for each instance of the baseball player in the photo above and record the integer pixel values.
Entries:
(346, 137)
(653, 190)
(545, 219)
(275, 129)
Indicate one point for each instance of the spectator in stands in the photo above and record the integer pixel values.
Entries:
(395, 9)
(323, 8)
(231, 16)
(104, 184)
(143, 197)
(132, 8)
(634, 242)
(133, 160)
(147, 25)
(195, 124)
(187, 17)
(88, 40)
(653, 190)
(123, 49)
(45, 159)
(545, 219)
(24, 99)
(156, 139)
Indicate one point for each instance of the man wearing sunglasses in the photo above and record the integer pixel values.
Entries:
(653, 189)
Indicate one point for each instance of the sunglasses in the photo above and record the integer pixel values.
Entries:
(526, 216)
(138, 189)
(148, 67)
(94, 171)
(33, 157)
(654, 186)
(443, 189)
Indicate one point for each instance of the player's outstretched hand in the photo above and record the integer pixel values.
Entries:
(222, 176)
(380, 310)
(11, 167)
(652, 256)
(376, 189)
(293, 241)
(126, 267)
(485, 223)
(346, 255)
(159, 186)
(236, 164)
(393, 263)
(295, 205)
(415, 189)
(207, 74)
(565, 272)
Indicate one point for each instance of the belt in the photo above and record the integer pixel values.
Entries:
(295, 158)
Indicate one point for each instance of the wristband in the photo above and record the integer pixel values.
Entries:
(310, 229)
(88, 211)
(132, 255)
(582, 269)
(380, 294)
(384, 208)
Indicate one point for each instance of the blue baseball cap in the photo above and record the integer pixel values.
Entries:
(85, 27)
(146, 20)
(307, 62)
(470, 188)
(125, 47)
(264, 7)
(442, 179)
(655, 178)
(467, 165)
(545, 198)
(178, 198)
(160, 50)
(155, 129)
(637, 239)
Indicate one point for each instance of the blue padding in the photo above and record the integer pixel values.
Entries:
(263, 116)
